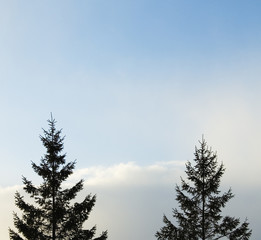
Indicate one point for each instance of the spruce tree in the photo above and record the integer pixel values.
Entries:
(52, 215)
(200, 204)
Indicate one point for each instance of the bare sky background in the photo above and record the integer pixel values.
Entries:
(134, 85)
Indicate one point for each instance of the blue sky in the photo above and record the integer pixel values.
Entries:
(134, 85)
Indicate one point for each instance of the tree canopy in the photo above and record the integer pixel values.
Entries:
(52, 215)
(201, 202)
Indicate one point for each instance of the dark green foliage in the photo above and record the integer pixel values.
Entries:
(52, 216)
(200, 204)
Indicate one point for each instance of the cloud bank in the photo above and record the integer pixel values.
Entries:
(131, 198)
(130, 174)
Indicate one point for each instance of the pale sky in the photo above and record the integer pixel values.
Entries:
(134, 85)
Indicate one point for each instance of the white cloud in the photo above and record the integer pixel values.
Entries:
(132, 195)
(130, 174)
(129, 194)
(131, 199)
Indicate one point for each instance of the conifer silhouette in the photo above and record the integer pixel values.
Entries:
(52, 216)
(200, 203)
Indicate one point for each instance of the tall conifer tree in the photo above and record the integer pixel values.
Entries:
(52, 216)
(201, 203)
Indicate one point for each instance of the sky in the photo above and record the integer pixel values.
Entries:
(134, 85)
